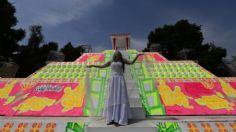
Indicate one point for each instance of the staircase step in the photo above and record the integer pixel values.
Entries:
(134, 126)
(137, 109)
(133, 93)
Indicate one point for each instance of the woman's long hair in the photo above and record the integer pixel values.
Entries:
(117, 56)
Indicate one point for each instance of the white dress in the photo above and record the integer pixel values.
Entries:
(117, 107)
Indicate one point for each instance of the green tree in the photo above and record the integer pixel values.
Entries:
(9, 36)
(173, 39)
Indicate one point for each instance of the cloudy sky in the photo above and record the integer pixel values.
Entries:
(92, 21)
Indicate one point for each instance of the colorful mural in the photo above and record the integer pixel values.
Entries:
(181, 88)
(43, 99)
(58, 89)
(165, 88)
(188, 98)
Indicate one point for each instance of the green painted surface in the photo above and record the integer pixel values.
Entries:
(75, 127)
(168, 127)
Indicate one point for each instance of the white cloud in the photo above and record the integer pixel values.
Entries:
(99, 48)
(138, 44)
(212, 27)
(52, 12)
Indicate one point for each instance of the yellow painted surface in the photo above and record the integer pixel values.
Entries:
(6, 90)
(214, 102)
(73, 98)
(34, 104)
(7, 127)
(175, 97)
(93, 58)
(227, 89)
(207, 83)
(36, 127)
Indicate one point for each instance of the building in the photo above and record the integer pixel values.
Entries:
(120, 41)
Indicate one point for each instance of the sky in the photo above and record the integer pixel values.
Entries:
(92, 21)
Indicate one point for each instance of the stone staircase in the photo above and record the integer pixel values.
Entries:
(133, 93)
(138, 123)
(134, 126)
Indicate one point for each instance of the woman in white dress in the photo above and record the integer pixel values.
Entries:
(117, 108)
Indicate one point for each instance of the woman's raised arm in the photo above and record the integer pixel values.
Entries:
(133, 61)
(101, 66)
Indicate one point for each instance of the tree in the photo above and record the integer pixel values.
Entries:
(33, 56)
(173, 38)
(32, 61)
(36, 37)
(52, 46)
(8, 35)
(210, 57)
(184, 35)
(71, 53)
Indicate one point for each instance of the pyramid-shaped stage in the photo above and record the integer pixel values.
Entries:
(158, 89)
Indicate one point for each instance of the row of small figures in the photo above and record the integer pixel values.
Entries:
(174, 74)
(66, 75)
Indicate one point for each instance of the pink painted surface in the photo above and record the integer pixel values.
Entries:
(17, 93)
(55, 109)
(152, 56)
(196, 90)
(95, 57)
(233, 84)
